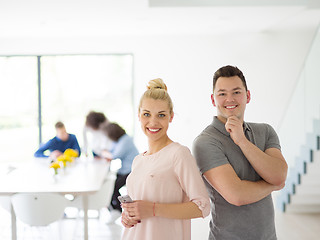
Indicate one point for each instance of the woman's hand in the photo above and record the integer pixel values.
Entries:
(106, 155)
(138, 210)
(128, 221)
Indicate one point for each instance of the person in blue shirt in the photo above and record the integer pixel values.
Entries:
(59, 143)
(122, 148)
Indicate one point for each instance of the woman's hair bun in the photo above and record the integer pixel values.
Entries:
(157, 90)
(157, 84)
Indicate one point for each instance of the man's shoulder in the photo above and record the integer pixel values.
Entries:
(54, 139)
(72, 135)
(211, 131)
(259, 126)
(208, 136)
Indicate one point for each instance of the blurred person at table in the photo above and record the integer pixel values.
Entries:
(93, 136)
(122, 148)
(165, 182)
(57, 145)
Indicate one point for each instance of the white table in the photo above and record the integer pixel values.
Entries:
(83, 177)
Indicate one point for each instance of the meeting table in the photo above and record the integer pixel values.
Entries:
(82, 178)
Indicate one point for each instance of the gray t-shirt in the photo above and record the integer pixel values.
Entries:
(214, 147)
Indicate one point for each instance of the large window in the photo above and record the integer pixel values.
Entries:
(71, 86)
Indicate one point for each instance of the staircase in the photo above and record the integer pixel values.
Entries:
(302, 191)
(306, 198)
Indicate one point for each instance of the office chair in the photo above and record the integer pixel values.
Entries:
(39, 209)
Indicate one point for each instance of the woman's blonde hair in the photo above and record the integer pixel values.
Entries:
(157, 90)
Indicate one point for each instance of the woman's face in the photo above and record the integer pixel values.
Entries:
(155, 116)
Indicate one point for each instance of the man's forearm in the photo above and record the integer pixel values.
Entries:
(248, 192)
(236, 191)
(270, 165)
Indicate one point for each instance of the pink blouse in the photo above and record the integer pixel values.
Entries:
(168, 176)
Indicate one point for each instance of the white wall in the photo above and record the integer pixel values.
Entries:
(271, 62)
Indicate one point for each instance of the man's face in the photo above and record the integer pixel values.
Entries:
(62, 134)
(230, 97)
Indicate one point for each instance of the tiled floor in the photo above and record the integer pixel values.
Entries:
(298, 226)
(289, 226)
(66, 229)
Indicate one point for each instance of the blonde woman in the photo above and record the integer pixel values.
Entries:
(165, 182)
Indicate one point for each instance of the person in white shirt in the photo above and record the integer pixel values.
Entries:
(94, 138)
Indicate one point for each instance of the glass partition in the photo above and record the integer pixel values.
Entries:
(71, 86)
(300, 125)
(304, 108)
(18, 108)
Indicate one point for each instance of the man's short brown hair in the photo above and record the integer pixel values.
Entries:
(59, 125)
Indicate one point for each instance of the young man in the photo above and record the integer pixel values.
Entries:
(241, 163)
(59, 143)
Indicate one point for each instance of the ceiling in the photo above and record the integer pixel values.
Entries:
(98, 18)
